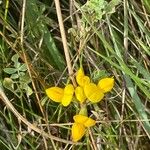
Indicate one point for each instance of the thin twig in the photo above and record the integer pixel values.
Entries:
(92, 140)
(22, 22)
(24, 54)
(64, 40)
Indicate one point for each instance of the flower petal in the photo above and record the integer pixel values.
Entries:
(68, 94)
(80, 119)
(93, 92)
(78, 131)
(69, 89)
(90, 122)
(79, 92)
(106, 84)
(79, 76)
(55, 93)
(85, 80)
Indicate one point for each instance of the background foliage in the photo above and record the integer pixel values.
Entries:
(111, 37)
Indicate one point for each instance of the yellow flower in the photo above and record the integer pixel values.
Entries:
(79, 127)
(55, 93)
(88, 122)
(60, 95)
(78, 131)
(106, 84)
(81, 78)
(93, 92)
(89, 90)
(80, 95)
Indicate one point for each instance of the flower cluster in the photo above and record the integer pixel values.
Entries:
(86, 90)
(89, 90)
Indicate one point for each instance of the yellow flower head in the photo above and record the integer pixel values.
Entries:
(79, 127)
(93, 92)
(89, 90)
(106, 84)
(81, 78)
(60, 95)
(87, 122)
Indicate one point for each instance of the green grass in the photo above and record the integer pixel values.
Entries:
(109, 39)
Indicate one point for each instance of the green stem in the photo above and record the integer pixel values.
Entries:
(83, 110)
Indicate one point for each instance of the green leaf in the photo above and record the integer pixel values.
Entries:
(141, 69)
(110, 8)
(10, 70)
(95, 5)
(23, 67)
(95, 9)
(21, 74)
(17, 65)
(147, 4)
(140, 23)
(26, 87)
(44, 100)
(51, 52)
(8, 83)
(14, 76)
(15, 58)
(25, 79)
(137, 101)
(38, 27)
(144, 47)
(28, 90)
(98, 74)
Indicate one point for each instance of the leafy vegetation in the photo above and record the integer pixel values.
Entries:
(107, 38)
